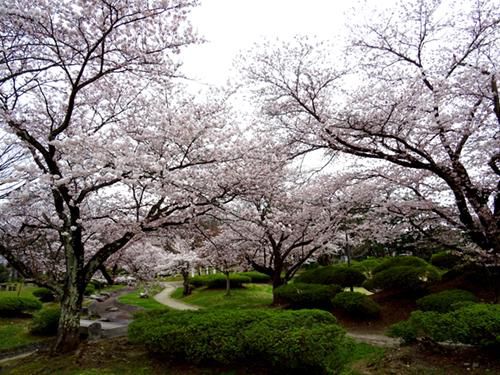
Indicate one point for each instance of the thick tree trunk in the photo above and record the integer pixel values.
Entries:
(185, 283)
(228, 284)
(277, 282)
(106, 275)
(68, 334)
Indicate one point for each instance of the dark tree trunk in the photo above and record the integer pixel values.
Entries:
(68, 333)
(185, 284)
(228, 284)
(277, 282)
(106, 275)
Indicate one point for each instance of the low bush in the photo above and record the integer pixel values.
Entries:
(45, 322)
(218, 281)
(366, 266)
(445, 260)
(302, 295)
(400, 261)
(445, 301)
(44, 294)
(89, 289)
(286, 340)
(356, 304)
(337, 274)
(256, 277)
(404, 278)
(4, 274)
(476, 324)
(15, 306)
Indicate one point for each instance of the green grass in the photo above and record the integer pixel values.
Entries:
(26, 291)
(361, 353)
(14, 333)
(112, 288)
(133, 298)
(251, 296)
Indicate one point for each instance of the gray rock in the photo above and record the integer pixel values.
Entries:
(95, 331)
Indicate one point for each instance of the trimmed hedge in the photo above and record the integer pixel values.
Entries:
(46, 321)
(357, 304)
(44, 294)
(89, 289)
(338, 275)
(302, 295)
(400, 261)
(14, 306)
(304, 341)
(445, 260)
(476, 324)
(256, 277)
(405, 278)
(445, 301)
(218, 281)
(366, 266)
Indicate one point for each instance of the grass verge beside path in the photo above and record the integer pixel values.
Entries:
(15, 333)
(134, 299)
(251, 296)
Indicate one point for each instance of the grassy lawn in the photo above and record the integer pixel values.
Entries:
(14, 332)
(134, 299)
(26, 291)
(251, 296)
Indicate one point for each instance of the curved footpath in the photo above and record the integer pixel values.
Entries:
(164, 297)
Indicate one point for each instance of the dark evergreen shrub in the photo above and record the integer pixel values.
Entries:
(44, 294)
(337, 274)
(302, 295)
(15, 306)
(476, 324)
(256, 277)
(404, 278)
(445, 260)
(356, 304)
(445, 301)
(289, 341)
(45, 322)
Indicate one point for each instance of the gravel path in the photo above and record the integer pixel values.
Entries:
(164, 297)
(374, 339)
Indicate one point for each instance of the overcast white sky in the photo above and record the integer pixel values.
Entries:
(230, 26)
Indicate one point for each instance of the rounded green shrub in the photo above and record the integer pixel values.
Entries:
(46, 321)
(400, 261)
(356, 304)
(445, 301)
(256, 277)
(288, 341)
(476, 324)
(445, 260)
(15, 306)
(366, 266)
(218, 281)
(302, 295)
(4, 274)
(89, 289)
(44, 294)
(405, 278)
(338, 275)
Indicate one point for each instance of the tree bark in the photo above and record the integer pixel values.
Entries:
(228, 284)
(106, 275)
(68, 333)
(277, 282)
(185, 283)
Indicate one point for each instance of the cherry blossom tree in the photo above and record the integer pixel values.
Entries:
(183, 258)
(115, 148)
(421, 96)
(281, 226)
